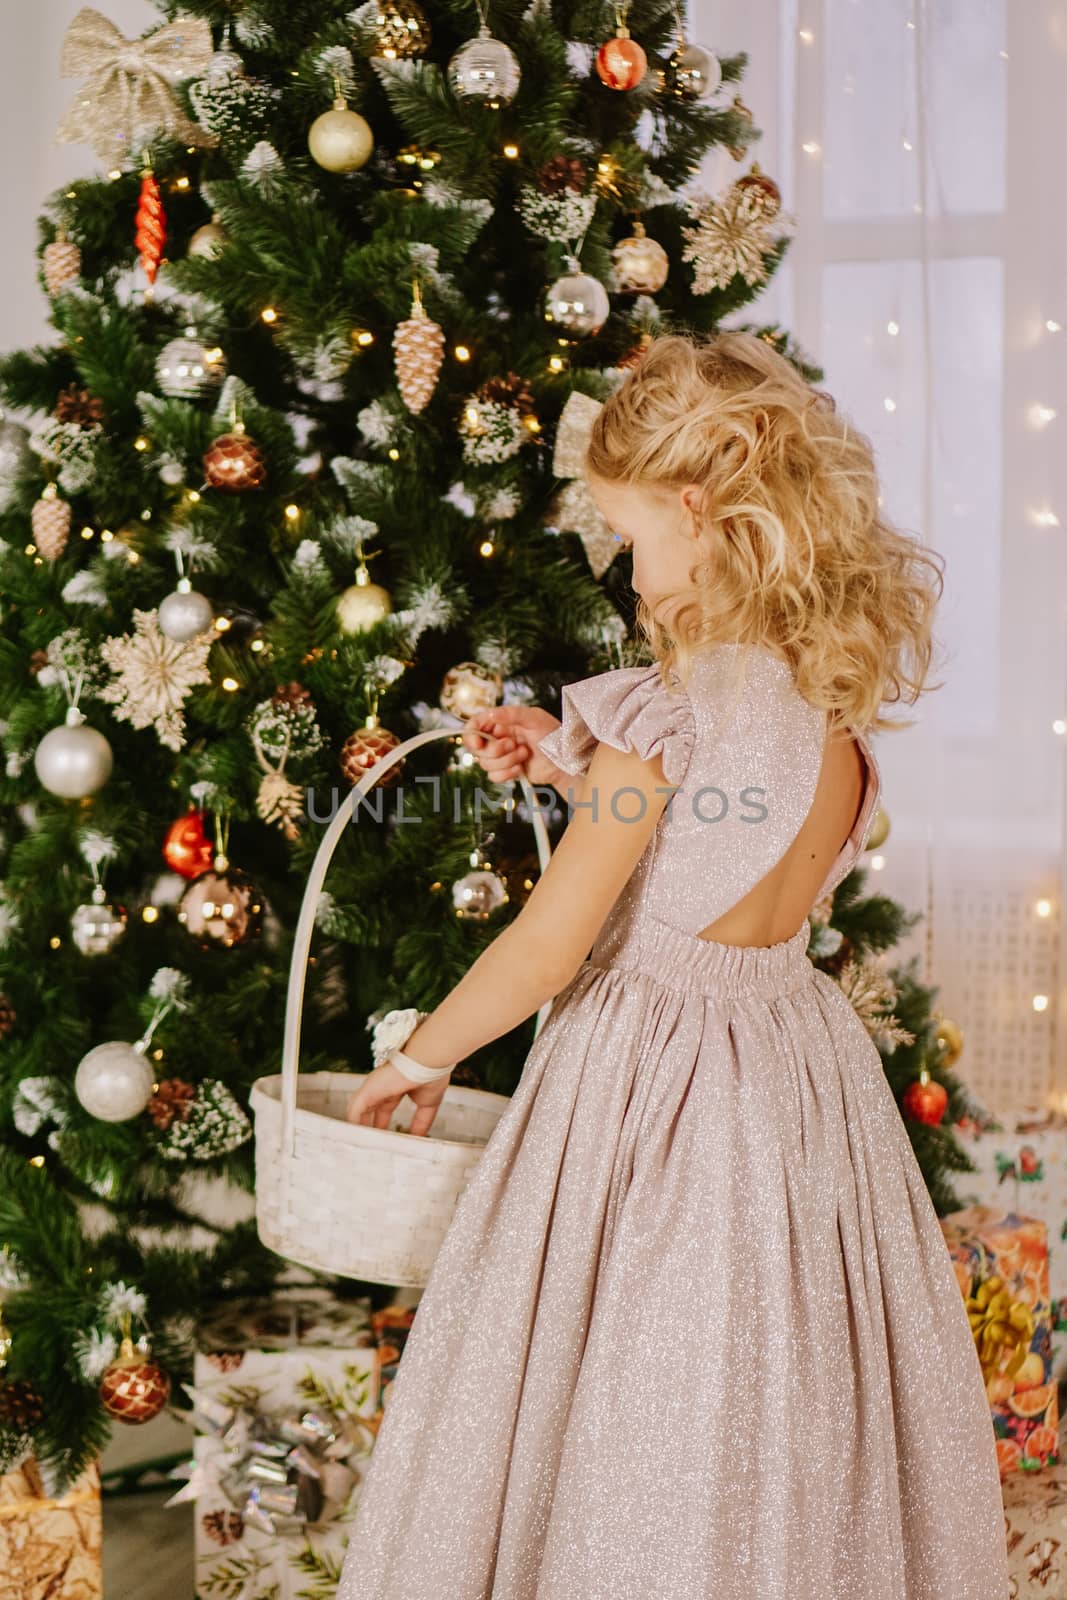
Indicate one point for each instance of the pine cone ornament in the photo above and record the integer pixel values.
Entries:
(21, 1405)
(366, 746)
(8, 1017)
(79, 406)
(510, 390)
(50, 519)
(419, 347)
(172, 1099)
(291, 694)
(62, 263)
(562, 172)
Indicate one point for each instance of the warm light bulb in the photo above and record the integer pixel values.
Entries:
(1044, 517)
(394, 454)
(193, 495)
(1059, 726)
(461, 353)
(555, 363)
(876, 863)
(292, 512)
(1040, 1002)
(114, 173)
(87, 533)
(54, 942)
(106, 536)
(256, 645)
(268, 314)
(807, 36)
(1053, 326)
(1043, 908)
(486, 547)
(893, 328)
(365, 337)
(140, 443)
(511, 151)
(230, 684)
(182, 183)
(37, 1161)
(150, 914)
(810, 148)
(1041, 415)
(222, 624)
(889, 403)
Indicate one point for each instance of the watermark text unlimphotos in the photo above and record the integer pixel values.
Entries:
(708, 804)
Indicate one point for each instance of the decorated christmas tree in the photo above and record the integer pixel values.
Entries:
(288, 485)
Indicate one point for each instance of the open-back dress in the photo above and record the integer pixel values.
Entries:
(694, 1332)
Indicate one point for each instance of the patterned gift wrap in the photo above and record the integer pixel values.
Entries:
(1001, 1263)
(50, 1546)
(1024, 1168)
(1035, 1518)
(294, 1379)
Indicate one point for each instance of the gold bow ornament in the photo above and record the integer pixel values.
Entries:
(1000, 1324)
(574, 508)
(127, 96)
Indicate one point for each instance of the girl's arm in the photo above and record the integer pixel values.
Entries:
(539, 953)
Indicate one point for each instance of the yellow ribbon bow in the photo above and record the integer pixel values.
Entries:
(127, 97)
(574, 507)
(999, 1323)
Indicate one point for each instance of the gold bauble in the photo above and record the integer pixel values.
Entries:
(879, 830)
(209, 241)
(362, 604)
(949, 1042)
(401, 30)
(340, 140)
(470, 687)
(641, 263)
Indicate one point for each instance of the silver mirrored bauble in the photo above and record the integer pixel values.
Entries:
(187, 369)
(692, 73)
(97, 927)
(73, 761)
(485, 69)
(477, 894)
(185, 614)
(114, 1082)
(578, 303)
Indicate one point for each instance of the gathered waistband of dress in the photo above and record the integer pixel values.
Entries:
(681, 960)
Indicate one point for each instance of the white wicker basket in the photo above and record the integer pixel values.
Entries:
(359, 1202)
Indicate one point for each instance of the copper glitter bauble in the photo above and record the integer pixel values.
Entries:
(401, 30)
(8, 1017)
(235, 463)
(763, 194)
(641, 263)
(925, 1100)
(222, 907)
(621, 63)
(187, 849)
(365, 747)
(134, 1389)
(470, 687)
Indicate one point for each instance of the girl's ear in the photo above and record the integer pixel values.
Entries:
(692, 495)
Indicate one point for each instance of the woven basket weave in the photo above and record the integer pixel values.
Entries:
(359, 1202)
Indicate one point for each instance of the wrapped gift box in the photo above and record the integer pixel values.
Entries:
(301, 1371)
(1035, 1518)
(50, 1546)
(987, 1242)
(1024, 1169)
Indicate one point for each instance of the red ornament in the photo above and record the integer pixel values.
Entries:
(235, 462)
(133, 1389)
(925, 1100)
(187, 849)
(151, 233)
(621, 63)
(366, 746)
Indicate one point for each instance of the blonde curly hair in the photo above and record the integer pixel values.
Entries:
(794, 553)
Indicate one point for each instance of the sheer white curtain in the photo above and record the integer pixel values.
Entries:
(919, 144)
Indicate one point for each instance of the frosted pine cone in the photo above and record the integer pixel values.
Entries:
(62, 264)
(419, 345)
(50, 519)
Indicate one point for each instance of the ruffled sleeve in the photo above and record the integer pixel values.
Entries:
(630, 709)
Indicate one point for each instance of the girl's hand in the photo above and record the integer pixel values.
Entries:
(506, 741)
(383, 1089)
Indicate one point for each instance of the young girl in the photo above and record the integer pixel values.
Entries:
(694, 1331)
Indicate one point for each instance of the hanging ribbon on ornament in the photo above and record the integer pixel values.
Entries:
(1000, 1323)
(127, 97)
(151, 233)
(574, 508)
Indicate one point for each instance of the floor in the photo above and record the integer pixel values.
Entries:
(148, 1550)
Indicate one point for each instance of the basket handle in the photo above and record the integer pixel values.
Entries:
(305, 926)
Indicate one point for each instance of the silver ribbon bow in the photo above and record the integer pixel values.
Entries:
(127, 97)
(574, 508)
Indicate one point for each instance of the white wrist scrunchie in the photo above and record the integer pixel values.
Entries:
(394, 1030)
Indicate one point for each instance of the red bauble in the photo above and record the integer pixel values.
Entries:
(235, 462)
(151, 234)
(925, 1100)
(363, 748)
(133, 1389)
(186, 847)
(621, 63)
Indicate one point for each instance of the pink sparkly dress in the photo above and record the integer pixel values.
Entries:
(694, 1333)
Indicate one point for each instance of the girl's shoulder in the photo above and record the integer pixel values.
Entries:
(629, 708)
